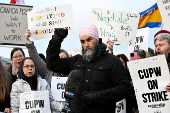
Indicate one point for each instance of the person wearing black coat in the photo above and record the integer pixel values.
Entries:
(104, 79)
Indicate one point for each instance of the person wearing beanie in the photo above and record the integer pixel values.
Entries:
(104, 79)
(162, 42)
(162, 45)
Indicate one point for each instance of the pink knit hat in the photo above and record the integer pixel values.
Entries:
(89, 30)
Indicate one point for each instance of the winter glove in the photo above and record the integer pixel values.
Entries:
(90, 98)
(60, 33)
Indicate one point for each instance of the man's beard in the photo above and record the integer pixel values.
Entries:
(91, 54)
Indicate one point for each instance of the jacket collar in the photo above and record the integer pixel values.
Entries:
(103, 46)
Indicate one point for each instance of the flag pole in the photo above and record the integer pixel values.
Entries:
(162, 25)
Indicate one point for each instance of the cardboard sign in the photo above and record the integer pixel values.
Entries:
(119, 27)
(42, 22)
(76, 51)
(150, 77)
(58, 88)
(121, 106)
(35, 102)
(141, 41)
(164, 8)
(13, 24)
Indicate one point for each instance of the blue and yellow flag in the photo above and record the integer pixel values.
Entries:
(150, 18)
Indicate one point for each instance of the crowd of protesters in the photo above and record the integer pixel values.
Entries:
(105, 77)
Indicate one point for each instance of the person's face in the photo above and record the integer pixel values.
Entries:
(162, 47)
(62, 55)
(17, 58)
(28, 68)
(87, 41)
(124, 64)
(139, 57)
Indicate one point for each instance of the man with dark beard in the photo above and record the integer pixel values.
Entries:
(104, 79)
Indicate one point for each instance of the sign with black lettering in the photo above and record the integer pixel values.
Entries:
(58, 88)
(141, 41)
(150, 77)
(35, 102)
(42, 22)
(121, 106)
(119, 27)
(164, 8)
(13, 24)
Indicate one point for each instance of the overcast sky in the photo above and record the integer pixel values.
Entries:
(81, 15)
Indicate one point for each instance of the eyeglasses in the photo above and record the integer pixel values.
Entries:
(27, 66)
(20, 56)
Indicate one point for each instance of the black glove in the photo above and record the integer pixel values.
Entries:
(60, 33)
(90, 98)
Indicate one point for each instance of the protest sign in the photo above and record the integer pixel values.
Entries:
(121, 106)
(150, 77)
(35, 102)
(141, 41)
(76, 51)
(13, 24)
(164, 8)
(58, 88)
(42, 22)
(119, 27)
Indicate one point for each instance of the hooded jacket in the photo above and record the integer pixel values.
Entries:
(105, 76)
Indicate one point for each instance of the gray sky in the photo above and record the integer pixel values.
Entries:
(81, 15)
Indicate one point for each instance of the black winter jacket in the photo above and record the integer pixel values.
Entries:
(107, 75)
(5, 104)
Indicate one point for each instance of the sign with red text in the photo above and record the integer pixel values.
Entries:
(119, 27)
(42, 22)
(150, 77)
(58, 87)
(13, 24)
(35, 102)
(164, 8)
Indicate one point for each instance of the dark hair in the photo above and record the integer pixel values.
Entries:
(32, 81)
(42, 56)
(62, 50)
(151, 52)
(5, 83)
(16, 49)
(142, 53)
(125, 59)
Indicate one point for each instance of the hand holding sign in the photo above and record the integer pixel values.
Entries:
(150, 76)
(27, 35)
(110, 44)
(7, 110)
(168, 87)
